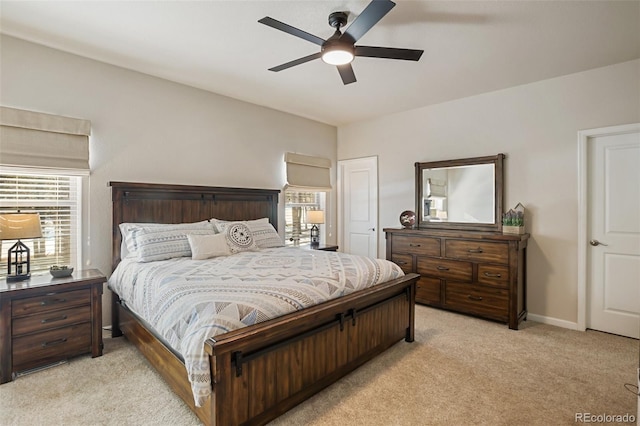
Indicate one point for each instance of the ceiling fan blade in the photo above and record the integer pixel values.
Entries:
(370, 16)
(388, 53)
(296, 62)
(346, 73)
(273, 23)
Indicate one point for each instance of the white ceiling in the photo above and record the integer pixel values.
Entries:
(470, 47)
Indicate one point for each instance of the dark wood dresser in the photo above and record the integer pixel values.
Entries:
(474, 272)
(44, 320)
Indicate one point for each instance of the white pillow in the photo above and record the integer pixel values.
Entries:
(239, 237)
(128, 246)
(265, 235)
(208, 246)
(159, 244)
(221, 225)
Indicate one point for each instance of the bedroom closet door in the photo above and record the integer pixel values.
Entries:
(358, 206)
(613, 236)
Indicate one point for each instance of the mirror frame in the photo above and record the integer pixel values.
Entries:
(496, 160)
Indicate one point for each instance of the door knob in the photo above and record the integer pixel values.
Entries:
(372, 229)
(597, 243)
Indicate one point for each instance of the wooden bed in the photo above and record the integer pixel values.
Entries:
(261, 371)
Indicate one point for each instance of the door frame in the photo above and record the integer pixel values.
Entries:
(340, 201)
(584, 138)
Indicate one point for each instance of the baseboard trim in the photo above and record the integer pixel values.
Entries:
(553, 321)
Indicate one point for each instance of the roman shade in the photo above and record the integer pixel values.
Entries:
(306, 173)
(35, 139)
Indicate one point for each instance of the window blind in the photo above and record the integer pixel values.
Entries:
(307, 173)
(34, 139)
(57, 199)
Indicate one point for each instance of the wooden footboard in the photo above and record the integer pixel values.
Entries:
(261, 371)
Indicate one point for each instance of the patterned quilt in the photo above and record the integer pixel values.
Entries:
(188, 301)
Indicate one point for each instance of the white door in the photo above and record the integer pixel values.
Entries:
(613, 235)
(358, 206)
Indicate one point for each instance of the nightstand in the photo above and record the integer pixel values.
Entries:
(322, 247)
(45, 320)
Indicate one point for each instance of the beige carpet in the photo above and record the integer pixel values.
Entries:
(460, 371)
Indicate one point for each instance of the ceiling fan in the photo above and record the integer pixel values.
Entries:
(340, 48)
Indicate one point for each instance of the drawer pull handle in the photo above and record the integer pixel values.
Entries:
(414, 245)
(400, 262)
(476, 298)
(490, 275)
(442, 268)
(46, 320)
(478, 250)
(52, 301)
(54, 342)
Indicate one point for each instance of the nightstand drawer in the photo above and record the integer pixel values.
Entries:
(54, 345)
(50, 301)
(51, 319)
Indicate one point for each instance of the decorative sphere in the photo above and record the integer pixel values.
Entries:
(407, 219)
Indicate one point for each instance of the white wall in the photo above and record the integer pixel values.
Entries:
(146, 129)
(536, 126)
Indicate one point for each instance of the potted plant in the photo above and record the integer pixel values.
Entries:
(513, 220)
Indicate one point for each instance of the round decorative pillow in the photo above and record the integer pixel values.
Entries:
(239, 237)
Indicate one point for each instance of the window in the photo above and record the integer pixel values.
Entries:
(57, 198)
(297, 204)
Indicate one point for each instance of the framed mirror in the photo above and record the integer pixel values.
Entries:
(460, 194)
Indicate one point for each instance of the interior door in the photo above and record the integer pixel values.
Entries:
(613, 256)
(358, 206)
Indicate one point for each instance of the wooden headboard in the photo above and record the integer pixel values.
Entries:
(159, 203)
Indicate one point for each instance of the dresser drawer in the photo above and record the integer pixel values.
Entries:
(428, 290)
(480, 251)
(447, 269)
(494, 275)
(50, 301)
(416, 245)
(54, 345)
(51, 319)
(404, 261)
(485, 301)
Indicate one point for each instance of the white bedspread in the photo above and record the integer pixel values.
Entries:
(188, 301)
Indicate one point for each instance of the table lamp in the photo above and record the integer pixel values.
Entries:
(17, 226)
(315, 217)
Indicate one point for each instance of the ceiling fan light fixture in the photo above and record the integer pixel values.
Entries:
(340, 48)
(337, 56)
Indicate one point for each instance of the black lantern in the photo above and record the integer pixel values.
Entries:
(17, 226)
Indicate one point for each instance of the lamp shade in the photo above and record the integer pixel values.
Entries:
(315, 216)
(16, 226)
